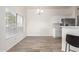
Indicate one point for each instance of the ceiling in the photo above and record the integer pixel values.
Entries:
(48, 7)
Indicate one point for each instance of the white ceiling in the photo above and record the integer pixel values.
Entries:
(48, 7)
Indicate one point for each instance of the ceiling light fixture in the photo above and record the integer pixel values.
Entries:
(39, 11)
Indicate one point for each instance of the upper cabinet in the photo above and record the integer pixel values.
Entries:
(77, 16)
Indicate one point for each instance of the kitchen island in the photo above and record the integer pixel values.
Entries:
(73, 30)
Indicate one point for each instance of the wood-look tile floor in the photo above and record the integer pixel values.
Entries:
(37, 44)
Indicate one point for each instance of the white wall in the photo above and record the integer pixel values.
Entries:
(7, 43)
(42, 25)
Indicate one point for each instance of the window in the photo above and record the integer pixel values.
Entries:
(14, 22)
(19, 23)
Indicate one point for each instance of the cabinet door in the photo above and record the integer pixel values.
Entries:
(77, 16)
(77, 20)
